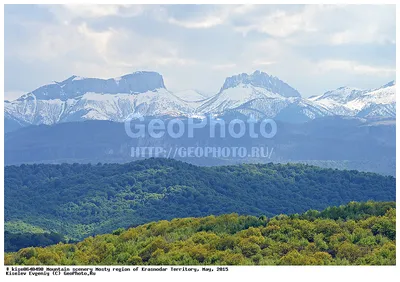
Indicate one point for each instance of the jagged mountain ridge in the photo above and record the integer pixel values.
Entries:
(75, 86)
(262, 80)
(77, 99)
(346, 101)
(257, 94)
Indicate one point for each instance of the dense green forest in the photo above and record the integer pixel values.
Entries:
(357, 233)
(15, 241)
(79, 200)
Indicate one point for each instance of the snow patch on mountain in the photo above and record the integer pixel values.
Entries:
(75, 86)
(345, 101)
(258, 94)
(261, 80)
(233, 97)
(384, 96)
(340, 95)
(78, 98)
(78, 78)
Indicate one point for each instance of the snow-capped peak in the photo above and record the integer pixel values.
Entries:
(349, 101)
(79, 98)
(342, 94)
(262, 80)
(76, 86)
(75, 77)
(387, 85)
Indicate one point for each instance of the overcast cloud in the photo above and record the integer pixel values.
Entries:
(313, 48)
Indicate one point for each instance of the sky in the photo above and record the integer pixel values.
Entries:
(313, 48)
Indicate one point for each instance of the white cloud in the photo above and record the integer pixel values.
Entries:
(262, 63)
(326, 24)
(217, 15)
(202, 23)
(353, 67)
(86, 11)
(99, 40)
(223, 66)
(279, 24)
(108, 41)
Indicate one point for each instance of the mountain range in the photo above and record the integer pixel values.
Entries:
(257, 94)
(333, 142)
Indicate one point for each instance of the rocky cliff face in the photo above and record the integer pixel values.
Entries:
(262, 80)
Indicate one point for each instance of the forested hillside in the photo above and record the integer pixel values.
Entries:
(358, 233)
(79, 200)
(15, 241)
